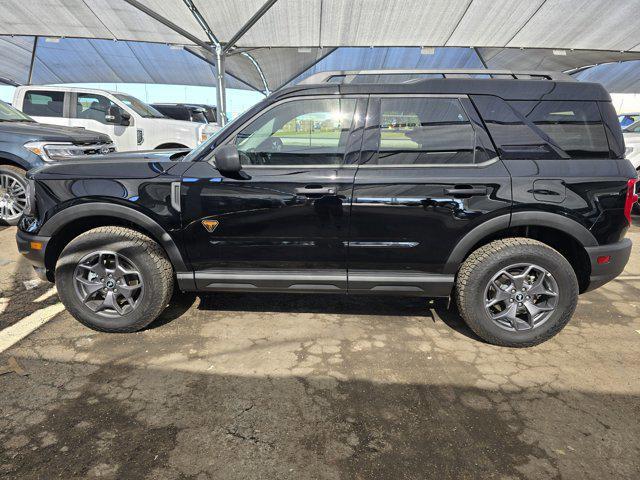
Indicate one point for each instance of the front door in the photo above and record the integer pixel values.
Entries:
(89, 110)
(428, 176)
(282, 225)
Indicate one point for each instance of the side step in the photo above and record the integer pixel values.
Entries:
(318, 281)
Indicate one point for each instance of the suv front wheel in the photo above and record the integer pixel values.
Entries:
(114, 279)
(13, 194)
(516, 292)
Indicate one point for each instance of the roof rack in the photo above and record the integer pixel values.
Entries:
(348, 76)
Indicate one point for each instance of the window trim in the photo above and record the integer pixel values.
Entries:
(353, 131)
(376, 103)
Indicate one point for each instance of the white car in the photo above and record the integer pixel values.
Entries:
(131, 123)
(631, 135)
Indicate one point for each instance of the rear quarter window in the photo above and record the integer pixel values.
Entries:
(545, 129)
(576, 127)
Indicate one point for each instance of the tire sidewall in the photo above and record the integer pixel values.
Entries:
(542, 256)
(132, 250)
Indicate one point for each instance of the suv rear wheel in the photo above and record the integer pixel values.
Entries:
(114, 279)
(13, 194)
(516, 292)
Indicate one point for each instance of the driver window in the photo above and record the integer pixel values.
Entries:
(92, 107)
(300, 132)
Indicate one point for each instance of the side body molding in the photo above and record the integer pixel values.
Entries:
(70, 214)
(517, 219)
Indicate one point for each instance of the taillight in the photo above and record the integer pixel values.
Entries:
(631, 199)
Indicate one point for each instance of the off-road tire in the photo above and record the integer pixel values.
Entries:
(152, 263)
(478, 269)
(19, 174)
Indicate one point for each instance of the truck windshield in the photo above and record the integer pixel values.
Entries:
(11, 114)
(141, 108)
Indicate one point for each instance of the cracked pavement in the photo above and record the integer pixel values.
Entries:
(239, 386)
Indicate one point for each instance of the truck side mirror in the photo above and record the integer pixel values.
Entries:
(116, 116)
(228, 160)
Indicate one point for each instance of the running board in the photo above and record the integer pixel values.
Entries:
(318, 281)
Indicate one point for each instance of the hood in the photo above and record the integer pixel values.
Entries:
(35, 131)
(172, 122)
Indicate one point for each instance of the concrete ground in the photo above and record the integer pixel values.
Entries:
(303, 387)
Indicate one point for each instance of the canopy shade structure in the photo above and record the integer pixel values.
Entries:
(577, 24)
(267, 43)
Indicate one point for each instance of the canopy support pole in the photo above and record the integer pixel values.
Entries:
(266, 90)
(33, 59)
(221, 88)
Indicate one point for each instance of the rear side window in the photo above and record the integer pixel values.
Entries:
(424, 131)
(576, 127)
(40, 103)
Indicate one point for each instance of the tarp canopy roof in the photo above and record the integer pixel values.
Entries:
(577, 24)
(293, 36)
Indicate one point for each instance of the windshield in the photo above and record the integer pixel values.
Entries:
(11, 114)
(141, 108)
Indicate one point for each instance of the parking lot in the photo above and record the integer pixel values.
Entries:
(315, 387)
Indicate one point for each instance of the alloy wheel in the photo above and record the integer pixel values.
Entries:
(13, 197)
(521, 297)
(108, 283)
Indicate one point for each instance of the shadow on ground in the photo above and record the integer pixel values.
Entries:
(85, 421)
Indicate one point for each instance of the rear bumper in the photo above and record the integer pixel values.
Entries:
(33, 248)
(603, 273)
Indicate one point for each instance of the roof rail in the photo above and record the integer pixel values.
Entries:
(347, 76)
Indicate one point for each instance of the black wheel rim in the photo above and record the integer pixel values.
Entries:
(13, 197)
(108, 284)
(521, 297)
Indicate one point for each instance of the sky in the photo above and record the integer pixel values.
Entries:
(237, 100)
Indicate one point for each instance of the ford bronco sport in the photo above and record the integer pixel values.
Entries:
(507, 191)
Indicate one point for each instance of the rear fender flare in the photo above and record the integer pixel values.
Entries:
(518, 219)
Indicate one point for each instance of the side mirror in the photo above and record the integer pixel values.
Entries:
(117, 116)
(228, 160)
(125, 119)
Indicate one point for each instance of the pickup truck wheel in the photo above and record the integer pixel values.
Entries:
(113, 279)
(516, 292)
(13, 194)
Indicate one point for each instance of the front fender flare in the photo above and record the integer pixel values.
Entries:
(93, 209)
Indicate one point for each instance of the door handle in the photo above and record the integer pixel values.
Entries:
(466, 191)
(315, 190)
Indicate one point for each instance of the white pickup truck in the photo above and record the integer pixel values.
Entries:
(131, 123)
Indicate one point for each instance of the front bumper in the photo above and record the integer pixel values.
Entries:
(33, 248)
(605, 272)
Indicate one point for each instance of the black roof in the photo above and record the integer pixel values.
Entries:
(519, 89)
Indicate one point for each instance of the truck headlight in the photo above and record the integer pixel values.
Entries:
(54, 151)
(30, 209)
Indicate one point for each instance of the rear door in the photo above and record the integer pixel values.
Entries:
(283, 223)
(46, 106)
(428, 175)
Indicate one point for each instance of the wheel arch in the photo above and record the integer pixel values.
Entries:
(13, 160)
(561, 233)
(67, 224)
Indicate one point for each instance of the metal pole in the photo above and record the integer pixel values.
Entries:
(33, 60)
(221, 87)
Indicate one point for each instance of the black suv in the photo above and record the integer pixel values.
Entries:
(182, 111)
(25, 144)
(510, 193)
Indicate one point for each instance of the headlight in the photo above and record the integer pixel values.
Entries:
(30, 209)
(54, 151)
